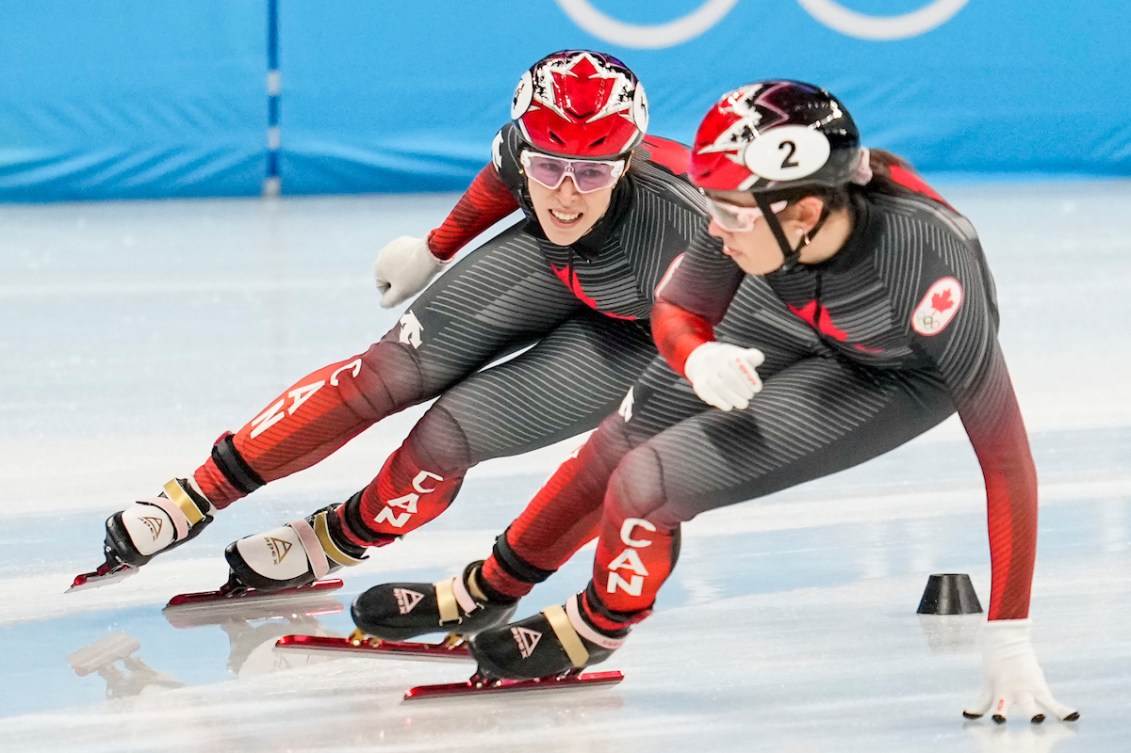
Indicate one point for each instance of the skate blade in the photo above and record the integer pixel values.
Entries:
(98, 578)
(479, 685)
(226, 597)
(359, 644)
(311, 605)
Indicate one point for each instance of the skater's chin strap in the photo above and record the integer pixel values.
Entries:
(790, 255)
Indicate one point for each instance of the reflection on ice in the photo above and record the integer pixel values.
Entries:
(253, 627)
(952, 634)
(991, 738)
(113, 659)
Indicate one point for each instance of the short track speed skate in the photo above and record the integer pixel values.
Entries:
(556, 642)
(146, 528)
(479, 684)
(453, 648)
(110, 571)
(548, 651)
(232, 593)
(360, 644)
(457, 605)
(299, 554)
(290, 561)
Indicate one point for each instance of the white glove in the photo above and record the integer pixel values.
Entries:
(403, 268)
(724, 375)
(1012, 676)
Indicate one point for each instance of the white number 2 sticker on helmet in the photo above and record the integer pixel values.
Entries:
(790, 152)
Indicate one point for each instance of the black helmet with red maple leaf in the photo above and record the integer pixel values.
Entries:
(580, 103)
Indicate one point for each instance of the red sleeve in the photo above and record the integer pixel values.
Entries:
(677, 332)
(997, 433)
(691, 299)
(970, 362)
(486, 201)
(954, 325)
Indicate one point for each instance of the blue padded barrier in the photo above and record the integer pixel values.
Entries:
(400, 96)
(131, 98)
(141, 98)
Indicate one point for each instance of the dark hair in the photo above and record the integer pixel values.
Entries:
(883, 164)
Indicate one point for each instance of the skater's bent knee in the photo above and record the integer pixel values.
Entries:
(439, 440)
(636, 487)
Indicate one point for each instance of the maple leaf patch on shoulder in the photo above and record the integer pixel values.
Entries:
(939, 306)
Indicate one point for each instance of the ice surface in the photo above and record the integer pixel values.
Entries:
(132, 334)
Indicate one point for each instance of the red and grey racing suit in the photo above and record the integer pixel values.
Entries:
(582, 311)
(893, 334)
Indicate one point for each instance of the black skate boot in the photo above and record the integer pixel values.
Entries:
(295, 554)
(137, 534)
(556, 641)
(399, 611)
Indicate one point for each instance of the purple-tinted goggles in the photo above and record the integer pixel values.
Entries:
(737, 219)
(588, 174)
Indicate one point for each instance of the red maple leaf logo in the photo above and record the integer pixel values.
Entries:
(569, 277)
(583, 85)
(941, 301)
(818, 316)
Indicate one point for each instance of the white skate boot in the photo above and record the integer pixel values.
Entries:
(148, 527)
(296, 554)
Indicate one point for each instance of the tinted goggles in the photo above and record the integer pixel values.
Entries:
(588, 174)
(736, 219)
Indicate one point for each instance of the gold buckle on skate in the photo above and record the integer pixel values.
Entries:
(176, 493)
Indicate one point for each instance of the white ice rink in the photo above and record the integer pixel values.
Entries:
(132, 334)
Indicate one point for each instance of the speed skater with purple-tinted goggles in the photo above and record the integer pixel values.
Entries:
(580, 114)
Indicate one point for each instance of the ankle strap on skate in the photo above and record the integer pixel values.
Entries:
(567, 636)
(586, 630)
(329, 546)
(177, 491)
(452, 596)
(180, 506)
(571, 628)
(319, 565)
(319, 546)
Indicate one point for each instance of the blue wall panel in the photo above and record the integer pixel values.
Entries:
(405, 96)
(398, 95)
(131, 98)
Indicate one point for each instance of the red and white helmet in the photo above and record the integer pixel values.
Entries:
(580, 103)
(773, 136)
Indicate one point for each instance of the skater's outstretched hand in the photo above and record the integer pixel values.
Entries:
(1012, 677)
(724, 375)
(403, 268)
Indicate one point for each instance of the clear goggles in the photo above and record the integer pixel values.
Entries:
(738, 219)
(588, 174)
